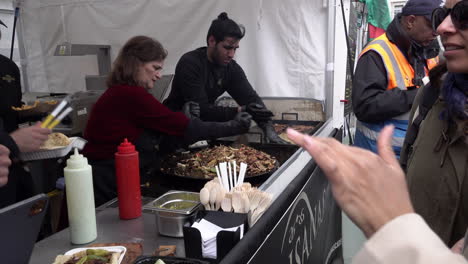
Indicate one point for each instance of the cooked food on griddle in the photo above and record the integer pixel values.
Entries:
(281, 128)
(25, 106)
(202, 164)
(36, 104)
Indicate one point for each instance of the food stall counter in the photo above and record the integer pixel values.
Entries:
(110, 229)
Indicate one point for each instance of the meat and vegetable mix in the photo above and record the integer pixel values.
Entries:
(202, 164)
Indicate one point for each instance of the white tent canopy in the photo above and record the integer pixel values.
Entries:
(283, 52)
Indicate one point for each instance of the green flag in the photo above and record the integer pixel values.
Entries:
(378, 13)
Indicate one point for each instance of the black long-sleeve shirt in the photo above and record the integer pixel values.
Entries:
(197, 79)
(372, 102)
(10, 93)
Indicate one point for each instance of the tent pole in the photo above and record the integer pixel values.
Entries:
(13, 33)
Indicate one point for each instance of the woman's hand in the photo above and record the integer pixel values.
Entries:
(370, 188)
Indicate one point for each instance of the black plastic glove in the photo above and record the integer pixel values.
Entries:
(198, 130)
(244, 120)
(191, 110)
(270, 134)
(259, 112)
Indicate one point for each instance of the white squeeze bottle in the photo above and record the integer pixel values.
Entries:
(80, 199)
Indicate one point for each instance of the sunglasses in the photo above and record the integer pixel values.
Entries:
(459, 15)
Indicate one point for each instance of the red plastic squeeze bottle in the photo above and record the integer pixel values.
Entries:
(127, 171)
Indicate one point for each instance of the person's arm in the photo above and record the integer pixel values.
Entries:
(149, 113)
(7, 141)
(10, 95)
(244, 94)
(239, 87)
(190, 81)
(406, 239)
(372, 102)
(371, 189)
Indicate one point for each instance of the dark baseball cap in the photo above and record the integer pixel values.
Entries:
(420, 8)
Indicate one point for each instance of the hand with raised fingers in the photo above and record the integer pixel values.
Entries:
(5, 162)
(371, 189)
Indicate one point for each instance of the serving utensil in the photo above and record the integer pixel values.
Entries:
(242, 171)
(219, 197)
(226, 204)
(245, 203)
(54, 118)
(213, 197)
(230, 173)
(237, 203)
(254, 197)
(205, 198)
(263, 204)
(234, 172)
(224, 175)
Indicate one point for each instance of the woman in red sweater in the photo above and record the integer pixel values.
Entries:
(128, 110)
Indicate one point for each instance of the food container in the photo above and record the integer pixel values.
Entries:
(56, 152)
(174, 210)
(120, 249)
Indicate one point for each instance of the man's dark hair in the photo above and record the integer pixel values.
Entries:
(137, 51)
(223, 27)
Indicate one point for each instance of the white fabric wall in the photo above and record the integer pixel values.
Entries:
(283, 52)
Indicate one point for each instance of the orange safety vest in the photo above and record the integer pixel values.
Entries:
(400, 73)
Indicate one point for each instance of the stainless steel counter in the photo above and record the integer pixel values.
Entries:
(110, 230)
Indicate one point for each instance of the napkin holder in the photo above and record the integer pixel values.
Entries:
(225, 240)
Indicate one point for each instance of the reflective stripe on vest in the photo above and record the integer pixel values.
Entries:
(371, 131)
(400, 73)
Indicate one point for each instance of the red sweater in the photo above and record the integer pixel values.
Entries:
(125, 112)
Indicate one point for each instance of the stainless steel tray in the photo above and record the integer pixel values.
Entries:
(171, 197)
(170, 222)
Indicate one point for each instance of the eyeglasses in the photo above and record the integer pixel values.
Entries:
(459, 15)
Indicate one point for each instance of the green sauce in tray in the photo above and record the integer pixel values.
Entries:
(178, 205)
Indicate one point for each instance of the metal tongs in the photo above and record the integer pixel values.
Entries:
(57, 115)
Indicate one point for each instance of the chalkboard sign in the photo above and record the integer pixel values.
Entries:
(309, 232)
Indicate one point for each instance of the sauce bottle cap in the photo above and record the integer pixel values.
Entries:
(126, 147)
(77, 161)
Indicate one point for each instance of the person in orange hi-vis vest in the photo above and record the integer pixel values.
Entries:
(389, 71)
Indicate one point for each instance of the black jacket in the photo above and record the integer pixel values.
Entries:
(197, 79)
(8, 142)
(10, 93)
(371, 100)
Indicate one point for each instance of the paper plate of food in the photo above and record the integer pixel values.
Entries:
(56, 146)
(101, 255)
